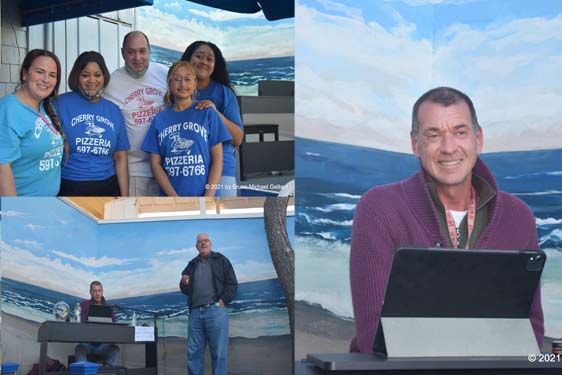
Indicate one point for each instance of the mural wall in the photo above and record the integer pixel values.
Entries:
(51, 252)
(255, 48)
(354, 99)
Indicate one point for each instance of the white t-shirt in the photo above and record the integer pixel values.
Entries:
(457, 217)
(139, 100)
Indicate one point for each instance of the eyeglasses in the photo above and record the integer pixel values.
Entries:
(180, 79)
(203, 240)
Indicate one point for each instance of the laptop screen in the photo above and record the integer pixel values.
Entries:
(100, 313)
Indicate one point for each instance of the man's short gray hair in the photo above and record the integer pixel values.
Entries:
(445, 96)
(202, 234)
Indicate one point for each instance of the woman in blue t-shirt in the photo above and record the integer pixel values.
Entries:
(31, 137)
(96, 134)
(185, 143)
(214, 90)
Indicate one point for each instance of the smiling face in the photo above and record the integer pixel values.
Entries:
(41, 77)
(182, 83)
(96, 292)
(446, 143)
(203, 60)
(136, 53)
(204, 245)
(91, 78)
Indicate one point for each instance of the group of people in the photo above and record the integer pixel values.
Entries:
(210, 283)
(143, 130)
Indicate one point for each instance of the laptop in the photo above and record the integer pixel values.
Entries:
(457, 303)
(451, 309)
(100, 314)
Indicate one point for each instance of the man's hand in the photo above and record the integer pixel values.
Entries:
(185, 279)
(221, 302)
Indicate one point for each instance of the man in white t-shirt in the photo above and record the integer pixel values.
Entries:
(138, 89)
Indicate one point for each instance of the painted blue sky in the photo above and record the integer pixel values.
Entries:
(359, 87)
(174, 24)
(46, 242)
(441, 14)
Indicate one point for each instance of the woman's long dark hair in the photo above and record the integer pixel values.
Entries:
(220, 73)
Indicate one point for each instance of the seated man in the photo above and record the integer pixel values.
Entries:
(454, 201)
(108, 352)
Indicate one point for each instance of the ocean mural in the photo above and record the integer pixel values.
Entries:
(259, 308)
(244, 74)
(359, 87)
(332, 177)
(354, 116)
(51, 252)
(255, 48)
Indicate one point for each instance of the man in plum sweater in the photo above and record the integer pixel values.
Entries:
(453, 202)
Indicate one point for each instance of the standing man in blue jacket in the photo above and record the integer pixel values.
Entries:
(210, 283)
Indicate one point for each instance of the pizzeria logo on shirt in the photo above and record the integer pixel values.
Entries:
(93, 130)
(145, 103)
(180, 144)
(40, 125)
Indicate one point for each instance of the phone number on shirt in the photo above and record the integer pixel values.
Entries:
(92, 150)
(186, 170)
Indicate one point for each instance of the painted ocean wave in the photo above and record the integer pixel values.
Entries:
(537, 174)
(253, 299)
(548, 221)
(244, 74)
(248, 325)
(540, 192)
(322, 221)
(552, 240)
(327, 236)
(336, 207)
(340, 195)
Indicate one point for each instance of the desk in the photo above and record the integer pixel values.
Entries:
(55, 331)
(357, 363)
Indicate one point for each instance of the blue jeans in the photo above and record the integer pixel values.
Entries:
(207, 324)
(108, 351)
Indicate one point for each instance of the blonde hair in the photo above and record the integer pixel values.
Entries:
(169, 98)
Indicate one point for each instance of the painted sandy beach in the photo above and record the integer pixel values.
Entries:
(320, 331)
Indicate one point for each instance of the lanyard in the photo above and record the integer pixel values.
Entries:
(53, 130)
(471, 216)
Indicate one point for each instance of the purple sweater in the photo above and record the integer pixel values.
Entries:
(403, 214)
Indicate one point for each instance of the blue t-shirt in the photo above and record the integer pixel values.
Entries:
(32, 146)
(225, 101)
(184, 140)
(94, 130)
